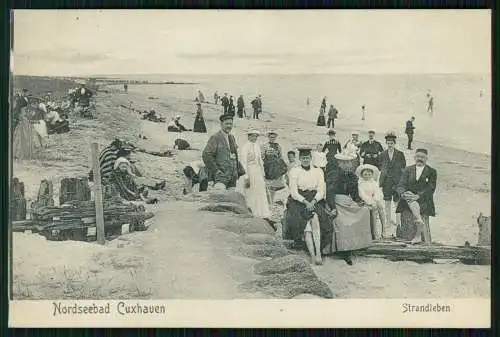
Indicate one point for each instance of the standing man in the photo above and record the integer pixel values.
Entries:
(363, 111)
(392, 165)
(216, 98)
(240, 104)
(430, 104)
(332, 147)
(255, 106)
(220, 155)
(225, 102)
(371, 150)
(409, 130)
(332, 115)
(416, 188)
(259, 105)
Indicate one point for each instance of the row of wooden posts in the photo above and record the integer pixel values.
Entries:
(71, 189)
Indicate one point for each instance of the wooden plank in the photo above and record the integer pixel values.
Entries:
(94, 148)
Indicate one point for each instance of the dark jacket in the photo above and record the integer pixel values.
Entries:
(409, 128)
(424, 187)
(333, 147)
(340, 182)
(391, 169)
(371, 152)
(225, 101)
(217, 157)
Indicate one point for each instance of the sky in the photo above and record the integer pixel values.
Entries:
(91, 42)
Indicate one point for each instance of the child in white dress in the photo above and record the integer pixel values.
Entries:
(370, 192)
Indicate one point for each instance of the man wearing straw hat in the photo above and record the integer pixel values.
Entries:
(221, 155)
(392, 165)
(416, 188)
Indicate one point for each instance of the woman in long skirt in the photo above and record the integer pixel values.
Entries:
(26, 139)
(274, 166)
(199, 121)
(352, 228)
(252, 184)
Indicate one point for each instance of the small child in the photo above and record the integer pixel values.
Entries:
(370, 192)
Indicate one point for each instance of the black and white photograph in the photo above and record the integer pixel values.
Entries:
(310, 156)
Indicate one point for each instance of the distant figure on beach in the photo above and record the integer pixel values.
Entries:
(175, 125)
(199, 121)
(430, 104)
(240, 104)
(125, 87)
(332, 115)
(480, 93)
(323, 106)
(392, 165)
(259, 99)
(225, 102)
(416, 188)
(331, 147)
(321, 118)
(231, 109)
(252, 184)
(409, 130)
(201, 97)
(363, 112)
(221, 155)
(216, 98)
(371, 150)
(274, 166)
(195, 173)
(255, 107)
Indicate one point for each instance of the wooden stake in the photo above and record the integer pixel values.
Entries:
(99, 209)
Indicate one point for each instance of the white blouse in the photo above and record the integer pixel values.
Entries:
(312, 179)
(251, 155)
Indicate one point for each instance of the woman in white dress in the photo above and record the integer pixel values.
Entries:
(252, 184)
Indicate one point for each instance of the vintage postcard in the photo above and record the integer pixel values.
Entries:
(250, 168)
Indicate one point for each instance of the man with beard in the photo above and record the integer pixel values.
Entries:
(416, 188)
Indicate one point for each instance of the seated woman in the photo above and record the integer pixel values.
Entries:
(195, 173)
(123, 180)
(139, 178)
(55, 124)
(352, 224)
(306, 213)
(175, 126)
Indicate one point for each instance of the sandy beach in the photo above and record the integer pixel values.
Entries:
(463, 191)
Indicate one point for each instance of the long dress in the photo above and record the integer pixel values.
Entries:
(273, 161)
(352, 229)
(26, 139)
(199, 122)
(255, 195)
(307, 184)
(321, 119)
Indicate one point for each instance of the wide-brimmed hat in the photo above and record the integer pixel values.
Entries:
(345, 157)
(253, 132)
(331, 132)
(390, 135)
(272, 132)
(374, 169)
(371, 131)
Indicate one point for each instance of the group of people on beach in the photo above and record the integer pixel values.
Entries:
(35, 118)
(335, 191)
(227, 103)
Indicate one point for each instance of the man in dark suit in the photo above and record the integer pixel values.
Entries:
(220, 155)
(409, 130)
(225, 102)
(371, 150)
(392, 165)
(416, 188)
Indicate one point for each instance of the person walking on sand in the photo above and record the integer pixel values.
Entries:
(241, 106)
(332, 115)
(252, 184)
(416, 188)
(274, 166)
(255, 107)
(216, 98)
(392, 165)
(363, 112)
(221, 155)
(323, 106)
(371, 150)
(225, 102)
(259, 105)
(409, 130)
(199, 121)
(430, 104)
(321, 118)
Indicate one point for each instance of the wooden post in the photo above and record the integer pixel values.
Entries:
(17, 200)
(74, 189)
(99, 209)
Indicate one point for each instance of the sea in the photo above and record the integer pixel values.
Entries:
(462, 102)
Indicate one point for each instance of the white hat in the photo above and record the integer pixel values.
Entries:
(178, 117)
(344, 156)
(354, 132)
(253, 132)
(119, 161)
(374, 169)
